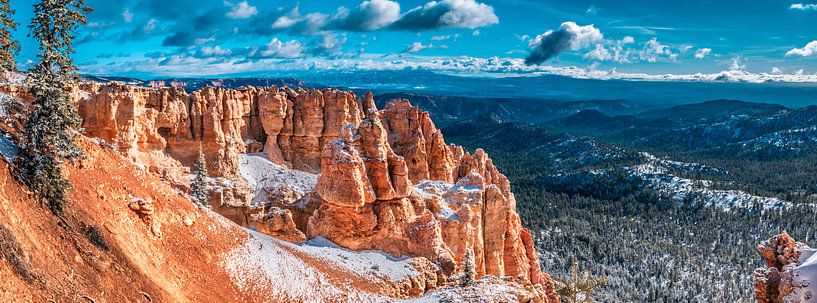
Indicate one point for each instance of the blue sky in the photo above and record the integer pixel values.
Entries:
(148, 38)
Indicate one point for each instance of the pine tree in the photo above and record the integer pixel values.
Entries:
(469, 273)
(579, 287)
(8, 46)
(198, 187)
(54, 122)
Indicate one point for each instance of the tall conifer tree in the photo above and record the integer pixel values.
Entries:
(8, 46)
(54, 122)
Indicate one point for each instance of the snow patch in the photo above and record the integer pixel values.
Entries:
(264, 176)
(655, 173)
(363, 263)
(263, 265)
(485, 290)
(804, 278)
(4, 100)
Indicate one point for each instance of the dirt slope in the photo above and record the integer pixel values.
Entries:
(103, 251)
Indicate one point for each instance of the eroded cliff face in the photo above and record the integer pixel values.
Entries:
(388, 181)
(790, 274)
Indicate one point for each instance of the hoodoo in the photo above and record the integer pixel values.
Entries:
(386, 179)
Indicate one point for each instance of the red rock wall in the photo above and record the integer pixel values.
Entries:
(291, 126)
(369, 161)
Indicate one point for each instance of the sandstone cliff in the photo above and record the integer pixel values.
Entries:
(388, 181)
(130, 237)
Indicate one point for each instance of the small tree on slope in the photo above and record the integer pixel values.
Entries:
(579, 287)
(54, 122)
(198, 187)
(469, 272)
(8, 46)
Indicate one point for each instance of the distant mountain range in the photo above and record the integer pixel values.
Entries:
(730, 128)
(548, 87)
(712, 110)
(446, 109)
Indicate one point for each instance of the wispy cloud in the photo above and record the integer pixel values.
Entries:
(702, 53)
(419, 46)
(804, 7)
(592, 10)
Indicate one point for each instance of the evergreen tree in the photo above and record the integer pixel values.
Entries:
(198, 188)
(8, 46)
(469, 273)
(54, 122)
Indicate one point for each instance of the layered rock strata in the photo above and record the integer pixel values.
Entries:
(388, 181)
(369, 202)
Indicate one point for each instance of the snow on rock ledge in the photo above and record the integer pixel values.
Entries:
(791, 272)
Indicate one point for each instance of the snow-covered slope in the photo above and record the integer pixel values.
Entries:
(267, 265)
(781, 143)
(655, 172)
(804, 278)
(320, 271)
(266, 178)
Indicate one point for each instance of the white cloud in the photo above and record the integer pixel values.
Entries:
(150, 26)
(330, 44)
(736, 64)
(807, 51)
(599, 53)
(419, 46)
(591, 11)
(242, 10)
(127, 16)
(702, 52)
(445, 37)
(627, 40)
(181, 65)
(283, 22)
(803, 7)
(612, 51)
(279, 49)
(475, 33)
(654, 50)
(210, 51)
(776, 70)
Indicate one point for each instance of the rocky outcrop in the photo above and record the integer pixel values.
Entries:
(365, 189)
(370, 203)
(147, 123)
(413, 135)
(278, 223)
(388, 180)
(790, 274)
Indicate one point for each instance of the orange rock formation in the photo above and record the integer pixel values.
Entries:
(388, 179)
